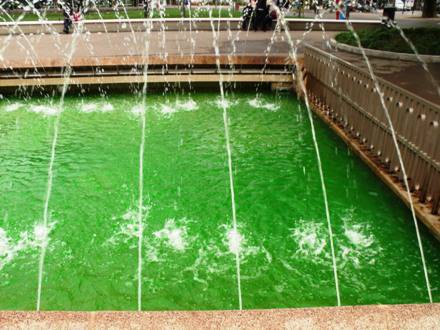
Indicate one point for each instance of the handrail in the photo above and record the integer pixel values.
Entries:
(350, 93)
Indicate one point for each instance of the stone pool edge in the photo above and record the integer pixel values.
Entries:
(416, 316)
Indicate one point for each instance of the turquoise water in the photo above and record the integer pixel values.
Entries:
(91, 259)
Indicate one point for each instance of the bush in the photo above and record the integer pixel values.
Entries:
(426, 40)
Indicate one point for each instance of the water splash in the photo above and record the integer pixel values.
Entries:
(213, 254)
(88, 107)
(258, 103)
(174, 236)
(360, 246)
(224, 102)
(357, 237)
(137, 110)
(13, 107)
(357, 244)
(107, 107)
(41, 234)
(234, 241)
(310, 240)
(96, 107)
(45, 110)
(167, 109)
(128, 226)
(27, 240)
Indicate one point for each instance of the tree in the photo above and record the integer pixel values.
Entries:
(429, 8)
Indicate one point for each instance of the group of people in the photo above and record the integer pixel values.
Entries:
(70, 14)
(259, 15)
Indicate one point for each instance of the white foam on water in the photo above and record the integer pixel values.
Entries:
(356, 243)
(129, 215)
(96, 107)
(247, 247)
(174, 236)
(234, 241)
(45, 110)
(13, 107)
(27, 240)
(41, 234)
(258, 103)
(88, 107)
(168, 109)
(213, 256)
(137, 110)
(358, 238)
(359, 247)
(187, 105)
(128, 226)
(310, 237)
(224, 103)
(7, 250)
(107, 107)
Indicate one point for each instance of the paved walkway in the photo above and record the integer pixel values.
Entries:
(16, 49)
(408, 75)
(406, 19)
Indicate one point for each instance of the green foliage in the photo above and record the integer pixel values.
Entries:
(426, 40)
(132, 13)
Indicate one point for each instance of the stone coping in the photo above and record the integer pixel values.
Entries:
(418, 316)
(133, 60)
(173, 24)
(152, 60)
(386, 54)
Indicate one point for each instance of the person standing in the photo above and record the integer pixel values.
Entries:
(260, 14)
(300, 7)
(247, 16)
(347, 5)
(67, 10)
(146, 8)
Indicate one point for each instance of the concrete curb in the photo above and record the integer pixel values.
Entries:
(385, 54)
(422, 316)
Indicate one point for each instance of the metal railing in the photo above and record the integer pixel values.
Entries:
(352, 102)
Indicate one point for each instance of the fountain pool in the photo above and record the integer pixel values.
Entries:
(189, 245)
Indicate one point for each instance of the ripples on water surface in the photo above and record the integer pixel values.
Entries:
(189, 242)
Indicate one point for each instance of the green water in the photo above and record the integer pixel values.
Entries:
(91, 259)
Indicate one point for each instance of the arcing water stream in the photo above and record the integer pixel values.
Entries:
(234, 236)
(45, 220)
(396, 144)
(318, 157)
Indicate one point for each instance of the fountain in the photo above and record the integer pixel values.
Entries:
(163, 152)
